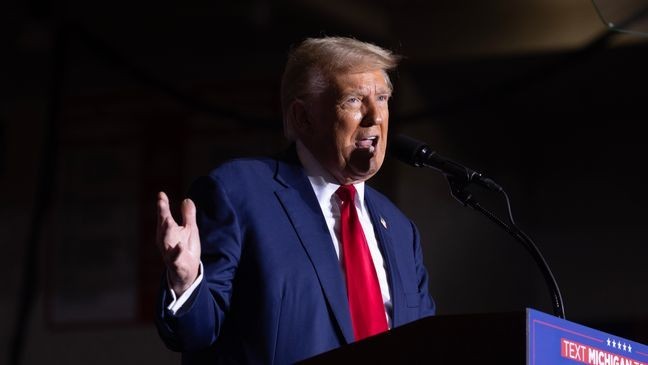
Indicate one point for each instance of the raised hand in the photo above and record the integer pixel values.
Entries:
(179, 245)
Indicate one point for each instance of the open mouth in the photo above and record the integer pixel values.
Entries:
(368, 143)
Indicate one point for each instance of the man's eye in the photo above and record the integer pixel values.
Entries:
(383, 97)
(353, 100)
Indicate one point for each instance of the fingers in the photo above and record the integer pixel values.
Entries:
(166, 226)
(164, 211)
(189, 218)
(169, 234)
(188, 213)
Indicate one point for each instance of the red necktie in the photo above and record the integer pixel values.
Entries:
(365, 299)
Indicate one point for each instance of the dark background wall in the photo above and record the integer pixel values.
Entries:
(104, 104)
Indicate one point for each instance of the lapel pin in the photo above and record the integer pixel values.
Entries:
(383, 222)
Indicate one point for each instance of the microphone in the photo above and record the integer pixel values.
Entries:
(419, 154)
(416, 153)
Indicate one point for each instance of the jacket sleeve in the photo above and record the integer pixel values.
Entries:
(197, 324)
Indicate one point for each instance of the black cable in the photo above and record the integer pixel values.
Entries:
(508, 208)
(559, 306)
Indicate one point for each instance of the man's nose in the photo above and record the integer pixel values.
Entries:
(373, 114)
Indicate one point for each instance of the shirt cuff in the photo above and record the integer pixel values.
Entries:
(177, 303)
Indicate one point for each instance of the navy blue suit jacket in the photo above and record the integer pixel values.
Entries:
(273, 291)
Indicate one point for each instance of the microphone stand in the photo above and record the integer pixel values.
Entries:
(459, 192)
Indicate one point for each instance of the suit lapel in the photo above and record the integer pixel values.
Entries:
(300, 203)
(381, 228)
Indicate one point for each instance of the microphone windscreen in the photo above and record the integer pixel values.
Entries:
(405, 149)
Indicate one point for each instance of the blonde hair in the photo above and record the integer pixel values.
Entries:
(314, 60)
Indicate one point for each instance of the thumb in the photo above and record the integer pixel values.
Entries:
(188, 212)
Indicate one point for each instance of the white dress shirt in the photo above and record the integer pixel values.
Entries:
(325, 186)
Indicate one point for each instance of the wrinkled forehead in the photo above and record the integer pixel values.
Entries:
(361, 83)
(359, 78)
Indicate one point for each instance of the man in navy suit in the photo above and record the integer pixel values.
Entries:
(263, 269)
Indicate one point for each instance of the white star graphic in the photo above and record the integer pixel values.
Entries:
(625, 347)
(629, 348)
(613, 343)
(608, 342)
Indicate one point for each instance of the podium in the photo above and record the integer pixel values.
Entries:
(526, 337)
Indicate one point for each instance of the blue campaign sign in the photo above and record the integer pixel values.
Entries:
(555, 341)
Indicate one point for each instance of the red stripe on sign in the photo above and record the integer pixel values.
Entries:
(591, 355)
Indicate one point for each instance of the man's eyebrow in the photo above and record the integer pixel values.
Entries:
(360, 90)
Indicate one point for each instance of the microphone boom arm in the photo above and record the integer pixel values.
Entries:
(458, 191)
(419, 154)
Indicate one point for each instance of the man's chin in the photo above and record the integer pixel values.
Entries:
(363, 164)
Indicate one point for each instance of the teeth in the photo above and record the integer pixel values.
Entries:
(367, 143)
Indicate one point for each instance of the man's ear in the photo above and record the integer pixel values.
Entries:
(299, 118)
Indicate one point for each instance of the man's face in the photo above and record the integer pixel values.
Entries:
(347, 125)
